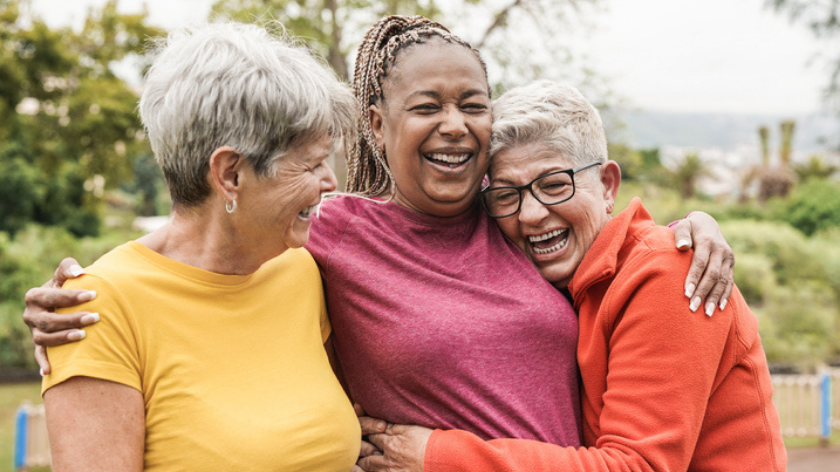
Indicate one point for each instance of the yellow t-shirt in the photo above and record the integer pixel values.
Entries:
(232, 368)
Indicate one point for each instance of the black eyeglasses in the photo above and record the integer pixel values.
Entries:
(550, 189)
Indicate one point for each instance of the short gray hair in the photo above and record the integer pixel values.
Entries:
(237, 85)
(551, 113)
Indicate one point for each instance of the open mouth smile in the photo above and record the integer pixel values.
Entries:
(308, 211)
(549, 242)
(449, 160)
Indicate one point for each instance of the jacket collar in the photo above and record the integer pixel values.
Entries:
(603, 258)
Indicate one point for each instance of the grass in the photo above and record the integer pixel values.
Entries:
(800, 442)
(11, 396)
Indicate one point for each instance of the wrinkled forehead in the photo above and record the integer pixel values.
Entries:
(527, 161)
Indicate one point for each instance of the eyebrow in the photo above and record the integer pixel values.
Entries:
(436, 95)
(508, 183)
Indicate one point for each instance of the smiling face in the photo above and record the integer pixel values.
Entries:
(434, 125)
(554, 237)
(280, 206)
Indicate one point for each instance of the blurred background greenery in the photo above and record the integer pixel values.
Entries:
(76, 171)
(77, 175)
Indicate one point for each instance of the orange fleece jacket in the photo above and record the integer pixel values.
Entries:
(663, 389)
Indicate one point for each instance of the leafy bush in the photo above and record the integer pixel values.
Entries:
(755, 278)
(814, 206)
(793, 257)
(799, 326)
(27, 261)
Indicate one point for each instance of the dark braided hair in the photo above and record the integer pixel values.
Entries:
(368, 172)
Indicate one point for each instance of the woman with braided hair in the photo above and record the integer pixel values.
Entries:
(438, 320)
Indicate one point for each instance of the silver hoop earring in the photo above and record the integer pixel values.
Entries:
(230, 205)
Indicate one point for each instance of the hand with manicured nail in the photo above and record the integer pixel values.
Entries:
(49, 328)
(710, 276)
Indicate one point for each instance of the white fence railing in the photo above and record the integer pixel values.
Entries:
(808, 405)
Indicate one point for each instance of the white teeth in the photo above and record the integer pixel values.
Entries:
(308, 211)
(449, 158)
(543, 237)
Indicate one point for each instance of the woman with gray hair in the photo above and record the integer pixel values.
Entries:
(241, 122)
(660, 390)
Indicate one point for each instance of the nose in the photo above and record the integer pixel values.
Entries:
(328, 181)
(453, 123)
(531, 211)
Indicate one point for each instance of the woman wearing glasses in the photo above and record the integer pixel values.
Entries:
(660, 390)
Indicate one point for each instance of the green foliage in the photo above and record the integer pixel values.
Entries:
(28, 261)
(793, 257)
(817, 167)
(70, 129)
(690, 169)
(813, 206)
(799, 326)
(324, 26)
(755, 278)
(630, 160)
(793, 284)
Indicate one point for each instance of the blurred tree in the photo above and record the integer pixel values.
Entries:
(797, 300)
(688, 172)
(334, 27)
(764, 136)
(775, 181)
(323, 24)
(814, 206)
(65, 115)
(823, 18)
(787, 128)
(630, 160)
(816, 167)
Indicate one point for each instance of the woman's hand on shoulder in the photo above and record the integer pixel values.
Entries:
(49, 328)
(710, 276)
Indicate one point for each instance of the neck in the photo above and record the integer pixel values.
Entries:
(208, 240)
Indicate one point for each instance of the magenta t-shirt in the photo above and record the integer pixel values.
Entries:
(443, 323)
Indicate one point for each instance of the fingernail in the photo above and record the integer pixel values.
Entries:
(710, 309)
(76, 270)
(723, 304)
(380, 426)
(77, 335)
(87, 296)
(695, 304)
(90, 319)
(41, 371)
(689, 290)
(683, 244)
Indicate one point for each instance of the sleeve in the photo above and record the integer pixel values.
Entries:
(662, 366)
(327, 230)
(109, 351)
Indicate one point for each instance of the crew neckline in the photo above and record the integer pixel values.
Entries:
(188, 271)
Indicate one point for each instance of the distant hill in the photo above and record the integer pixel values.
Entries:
(644, 129)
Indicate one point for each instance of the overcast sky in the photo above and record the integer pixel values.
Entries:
(664, 55)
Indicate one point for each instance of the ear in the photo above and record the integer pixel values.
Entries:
(225, 169)
(377, 122)
(610, 180)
